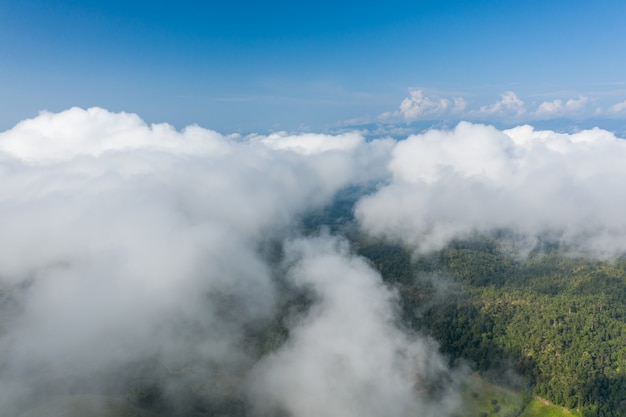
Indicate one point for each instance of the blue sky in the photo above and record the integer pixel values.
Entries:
(258, 66)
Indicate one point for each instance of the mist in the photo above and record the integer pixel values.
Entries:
(174, 264)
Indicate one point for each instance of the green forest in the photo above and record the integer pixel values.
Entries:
(557, 321)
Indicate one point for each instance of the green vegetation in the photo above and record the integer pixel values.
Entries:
(558, 321)
(541, 408)
(483, 399)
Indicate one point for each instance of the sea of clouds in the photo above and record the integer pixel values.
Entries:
(123, 242)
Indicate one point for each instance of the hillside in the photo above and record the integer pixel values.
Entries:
(557, 321)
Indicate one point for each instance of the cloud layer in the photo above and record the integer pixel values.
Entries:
(125, 243)
(475, 178)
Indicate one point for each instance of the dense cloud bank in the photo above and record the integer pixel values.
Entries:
(566, 188)
(125, 243)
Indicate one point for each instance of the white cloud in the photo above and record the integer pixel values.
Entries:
(554, 108)
(124, 241)
(126, 244)
(420, 106)
(311, 143)
(460, 104)
(74, 132)
(576, 104)
(449, 184)
(618, 108)
(508, 105)
(345, 358)
(510, 108)
(550, 107)
(417, 105)
(98, 208)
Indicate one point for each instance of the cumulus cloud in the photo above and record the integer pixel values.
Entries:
(618, 108)
(508, 105)
(576, 104)
(550, 107)
(420, 106)
(135, 252)
(571, 107)
(475, 178)
(510, 108)
(460, 104)
(62, 136)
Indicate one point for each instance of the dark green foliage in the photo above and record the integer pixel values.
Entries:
(339, 215)
(558, 321)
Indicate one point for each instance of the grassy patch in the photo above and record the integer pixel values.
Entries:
(483, 399)
(540, 408)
